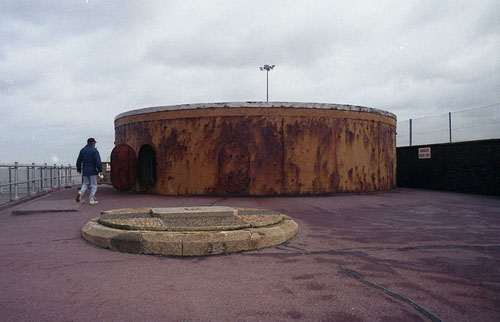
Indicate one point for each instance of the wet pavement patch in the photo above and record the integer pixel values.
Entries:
(46, 206)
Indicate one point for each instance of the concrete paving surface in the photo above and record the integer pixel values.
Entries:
(403, 255)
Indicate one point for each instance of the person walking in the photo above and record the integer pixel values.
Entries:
(89, 165)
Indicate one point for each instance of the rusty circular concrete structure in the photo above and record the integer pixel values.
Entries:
(254, 148)
(189, 231)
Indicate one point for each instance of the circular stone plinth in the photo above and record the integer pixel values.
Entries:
(141, 230)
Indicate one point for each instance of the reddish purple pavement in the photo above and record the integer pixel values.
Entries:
(404, 255)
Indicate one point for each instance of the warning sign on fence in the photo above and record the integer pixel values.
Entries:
(424, 153)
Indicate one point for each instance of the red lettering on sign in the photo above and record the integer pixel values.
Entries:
(424, 153)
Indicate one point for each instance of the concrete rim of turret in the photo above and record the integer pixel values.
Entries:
(306, 105)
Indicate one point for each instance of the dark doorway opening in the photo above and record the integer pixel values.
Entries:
(123, 167)
(146, 167)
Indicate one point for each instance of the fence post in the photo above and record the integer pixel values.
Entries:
(410, 132)
(449, 123)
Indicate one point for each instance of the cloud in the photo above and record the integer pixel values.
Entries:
(69, 67)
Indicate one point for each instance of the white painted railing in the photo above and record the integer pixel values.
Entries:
(21, 180)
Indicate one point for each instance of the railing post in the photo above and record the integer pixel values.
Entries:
(16, 178)
(58, 175)
(41, 178)
(10, 183)
(46, 176)
(33, 176)
(28, 185)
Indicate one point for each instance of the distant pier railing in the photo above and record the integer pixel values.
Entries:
(21, 180)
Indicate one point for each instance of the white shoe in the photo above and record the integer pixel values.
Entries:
(78, 196)
(93, 202)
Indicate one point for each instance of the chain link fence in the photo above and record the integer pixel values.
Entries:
(469, 125)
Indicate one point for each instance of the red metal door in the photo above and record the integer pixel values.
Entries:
(234, 168)
(123, 167)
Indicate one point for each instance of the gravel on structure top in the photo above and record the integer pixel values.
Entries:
(140, 220)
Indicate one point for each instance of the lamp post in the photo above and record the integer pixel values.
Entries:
(267, 68)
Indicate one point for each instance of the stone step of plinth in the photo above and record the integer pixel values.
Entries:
(193, 212)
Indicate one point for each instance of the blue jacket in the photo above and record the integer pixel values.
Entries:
(91, 160)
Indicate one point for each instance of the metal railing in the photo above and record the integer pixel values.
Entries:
(21, 180)
(469, 125)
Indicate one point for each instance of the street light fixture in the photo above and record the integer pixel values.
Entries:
(267, 68)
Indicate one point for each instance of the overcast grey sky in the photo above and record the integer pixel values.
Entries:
(69, 67)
